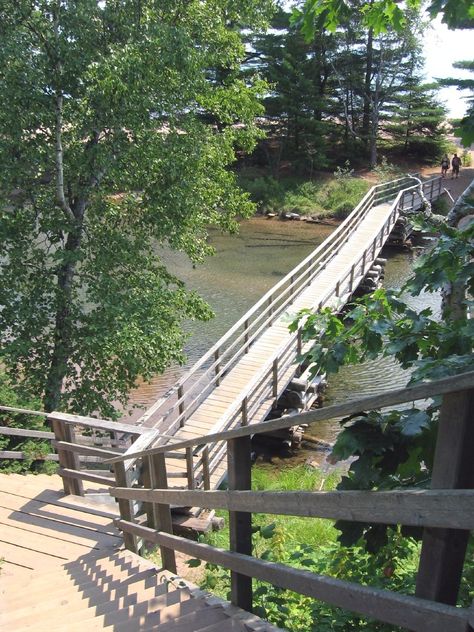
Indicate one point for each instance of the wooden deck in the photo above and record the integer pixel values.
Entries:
(63, 569)
(40, 528)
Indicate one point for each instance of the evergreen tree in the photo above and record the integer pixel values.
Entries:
(466, 128)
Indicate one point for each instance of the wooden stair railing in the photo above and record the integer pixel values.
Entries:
(446, 512)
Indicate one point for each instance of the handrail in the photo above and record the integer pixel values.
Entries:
(442, 386)
(446, 512)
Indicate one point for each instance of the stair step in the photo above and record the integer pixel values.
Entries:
(128, 618)
(82, 587)
(94, 603)
(194, 620)
(77, 574)
(231, 625)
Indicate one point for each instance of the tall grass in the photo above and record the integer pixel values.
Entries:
(313, 531)
(335, 197)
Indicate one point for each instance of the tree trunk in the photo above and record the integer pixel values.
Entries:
(63, 325)
(367, 83)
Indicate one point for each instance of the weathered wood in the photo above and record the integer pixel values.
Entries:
(81, 475)
(382, 400)
(125, 508)
(239, 466)
(417, 507)
(21, 456)
(25, 432)
(162, 511)
(414, 614)
(443, 550)
(206, 477)
(67, 460)
(98, 424)
(190, 468)
(24, 411)
(83, 449)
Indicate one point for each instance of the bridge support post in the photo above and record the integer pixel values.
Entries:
(240, 522)
(443, 550)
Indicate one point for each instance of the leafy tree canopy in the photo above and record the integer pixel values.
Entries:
(380, 14)
(119, 119)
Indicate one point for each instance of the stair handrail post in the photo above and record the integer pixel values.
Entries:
(240, 522)
(125, 506)
(443, 550)
(162, 511)
(67, 460)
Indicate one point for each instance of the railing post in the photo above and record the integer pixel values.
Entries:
(206, 476)
(125, 507)
(162, 512)
(190, 468)
(244, 411)
(270, 305)
(240, 523)
(443, 550)
(275, 378)
(246, 336)
(181, 404)
(364, 254)
(218, 367)
(374, 249)
(351, 279)
(338, 289)
(299, 341)
(67, 460)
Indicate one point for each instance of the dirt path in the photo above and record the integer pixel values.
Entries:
(456, 186)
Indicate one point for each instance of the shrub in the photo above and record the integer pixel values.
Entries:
(33, 449)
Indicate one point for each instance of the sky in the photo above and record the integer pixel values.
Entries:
(441, 48)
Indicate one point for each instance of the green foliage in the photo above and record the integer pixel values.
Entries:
(336, 197)
(380, 15)
(395, 449)
(118, 126)
(33, 449)
(466, 158)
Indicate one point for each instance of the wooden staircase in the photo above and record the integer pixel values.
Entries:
(64, 568)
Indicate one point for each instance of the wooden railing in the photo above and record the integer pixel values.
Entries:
(171, 412)
(446, 512)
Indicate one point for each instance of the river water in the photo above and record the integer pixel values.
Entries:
(244, 267)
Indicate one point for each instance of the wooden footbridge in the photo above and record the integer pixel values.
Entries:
(63, 564)
(240, 379)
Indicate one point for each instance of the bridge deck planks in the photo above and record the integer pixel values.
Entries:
(233, 385)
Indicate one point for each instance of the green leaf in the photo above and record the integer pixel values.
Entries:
(268, 531)
(193, 563)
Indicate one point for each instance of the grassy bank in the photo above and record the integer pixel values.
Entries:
(334, 197)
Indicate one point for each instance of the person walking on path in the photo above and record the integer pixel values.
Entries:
(444, 165)
(455, 164)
